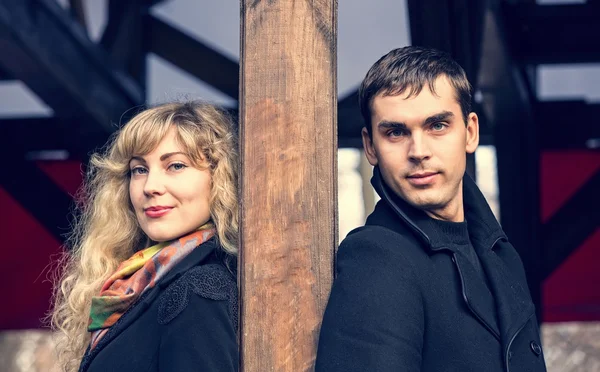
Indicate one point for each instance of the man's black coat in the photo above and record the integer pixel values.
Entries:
(405, 299)
(186, 322)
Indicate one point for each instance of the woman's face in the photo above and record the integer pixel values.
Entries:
(170, 197)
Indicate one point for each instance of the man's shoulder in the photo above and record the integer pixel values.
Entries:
(379, 243)
(379, 235)
(379, 257)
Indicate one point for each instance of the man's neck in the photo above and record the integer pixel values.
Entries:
(457, 216)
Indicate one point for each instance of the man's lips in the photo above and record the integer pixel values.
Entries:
(157, 211)
(422, 178)
(422, 174)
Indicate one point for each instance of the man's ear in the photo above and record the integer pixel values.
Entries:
(368, 146)
(472, 133)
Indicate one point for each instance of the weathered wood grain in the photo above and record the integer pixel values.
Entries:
(288, 144)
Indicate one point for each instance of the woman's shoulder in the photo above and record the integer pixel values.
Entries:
(210, 282)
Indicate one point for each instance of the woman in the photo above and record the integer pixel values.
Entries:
(150, 284)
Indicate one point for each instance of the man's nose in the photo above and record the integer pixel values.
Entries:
(419, 149)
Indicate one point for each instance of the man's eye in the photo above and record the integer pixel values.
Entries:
(438, 126)
(396, 133)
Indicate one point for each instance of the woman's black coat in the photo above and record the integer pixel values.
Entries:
(187, 322)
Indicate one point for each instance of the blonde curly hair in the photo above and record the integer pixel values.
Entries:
(107, 232)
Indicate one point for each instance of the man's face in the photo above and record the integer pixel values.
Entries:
(420, 144)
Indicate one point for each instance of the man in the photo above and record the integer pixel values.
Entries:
(430, 283)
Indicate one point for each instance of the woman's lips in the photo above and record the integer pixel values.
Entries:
(156, 212)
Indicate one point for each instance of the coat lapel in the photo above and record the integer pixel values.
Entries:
(500, 263)
(512, 299)
(477, 295)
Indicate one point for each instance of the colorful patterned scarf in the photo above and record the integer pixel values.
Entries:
(136, 275)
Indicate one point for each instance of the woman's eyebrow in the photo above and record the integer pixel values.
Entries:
(164, 157)
(138, 158)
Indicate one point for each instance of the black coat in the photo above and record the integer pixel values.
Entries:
(405, 300)
(187, 322)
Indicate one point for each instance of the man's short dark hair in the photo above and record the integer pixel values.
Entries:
(410, 68)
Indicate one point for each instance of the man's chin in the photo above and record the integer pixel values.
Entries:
(425, 204)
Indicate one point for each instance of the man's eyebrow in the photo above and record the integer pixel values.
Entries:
(391, 125)
(442, 116)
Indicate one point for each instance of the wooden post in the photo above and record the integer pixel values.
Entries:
(288, 145)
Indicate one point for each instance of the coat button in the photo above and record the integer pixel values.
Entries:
(536, 348)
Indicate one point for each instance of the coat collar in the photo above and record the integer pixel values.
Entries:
(484, 230)
(195, 257)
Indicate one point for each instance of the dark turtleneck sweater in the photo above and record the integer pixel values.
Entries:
(457, 234)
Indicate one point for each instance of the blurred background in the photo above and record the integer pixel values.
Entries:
(71, 69)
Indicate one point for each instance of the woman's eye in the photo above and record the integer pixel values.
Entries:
(138, 171)
(177, 166)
